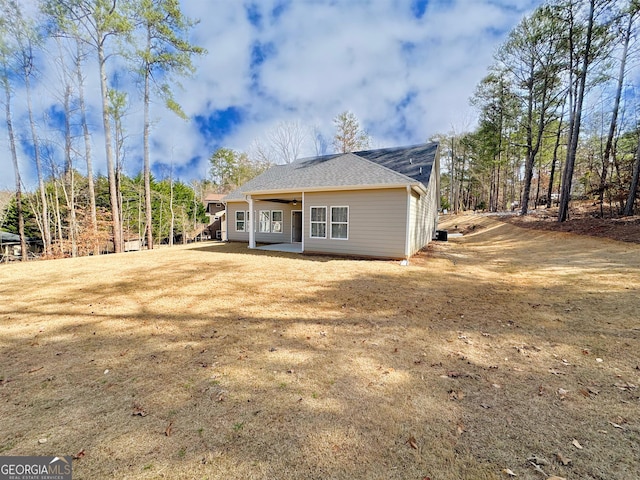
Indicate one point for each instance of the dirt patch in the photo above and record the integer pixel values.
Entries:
(504, 349)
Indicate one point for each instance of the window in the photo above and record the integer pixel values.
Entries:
(340, 223)
(265, 223)
(276, 221)
(318, 222)
(240, 222)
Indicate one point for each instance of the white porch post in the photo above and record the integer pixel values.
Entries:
(251, 223)
(302, 221)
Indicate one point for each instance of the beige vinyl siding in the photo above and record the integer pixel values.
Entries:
(282, 237)
(232, 235)
(424, 217)
(376, 222)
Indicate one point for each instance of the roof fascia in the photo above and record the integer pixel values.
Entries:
(333, 188)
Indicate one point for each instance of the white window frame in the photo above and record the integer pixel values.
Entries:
(312, 222)
(332, 223)
(244, 221)
(264, 222)
(275, 228)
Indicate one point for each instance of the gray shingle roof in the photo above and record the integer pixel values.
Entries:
(6, 237)
(375, 168)
(415, 162)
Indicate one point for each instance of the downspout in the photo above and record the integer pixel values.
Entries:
(407, 243)
(250, 222)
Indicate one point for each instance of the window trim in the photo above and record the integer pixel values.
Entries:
(332, 223)
(281, 221)
(262, 222)
(244, 221)
(311, 222)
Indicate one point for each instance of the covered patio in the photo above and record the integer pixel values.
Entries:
(282, 247)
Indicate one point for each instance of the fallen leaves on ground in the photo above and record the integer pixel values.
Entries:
(563, 459)
(456, 394)
(138, 410)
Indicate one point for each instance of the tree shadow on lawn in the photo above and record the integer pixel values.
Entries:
(337, 379)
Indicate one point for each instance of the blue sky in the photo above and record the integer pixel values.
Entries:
(406, 68)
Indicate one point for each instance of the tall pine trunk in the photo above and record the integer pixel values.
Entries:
(69, 177)
(87, 151)
(108, 142)
(147, 168)
(572, 149)
(614, 117)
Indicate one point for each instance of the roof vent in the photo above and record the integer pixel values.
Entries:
(411, 161)
(420, 170)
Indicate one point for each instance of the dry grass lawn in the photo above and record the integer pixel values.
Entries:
(505, 349)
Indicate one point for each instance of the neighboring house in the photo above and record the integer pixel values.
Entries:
(214, 208)
(375, 203)
(10, 248)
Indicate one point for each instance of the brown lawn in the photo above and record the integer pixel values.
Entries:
(508, 348)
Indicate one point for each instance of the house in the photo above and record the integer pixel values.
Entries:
(214, 208)
(374, 203)
(10, 248)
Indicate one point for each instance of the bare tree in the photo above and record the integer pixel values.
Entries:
(6, 74)
(282, 144)
(5, 201)
(349, 137)
(26, 38)
(287, 139)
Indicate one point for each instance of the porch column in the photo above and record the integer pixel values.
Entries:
(251, 223)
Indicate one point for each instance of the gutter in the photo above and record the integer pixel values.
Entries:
(416, 186)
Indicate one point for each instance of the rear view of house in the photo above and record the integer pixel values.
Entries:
(375, 203)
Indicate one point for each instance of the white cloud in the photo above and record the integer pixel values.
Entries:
(405, 78)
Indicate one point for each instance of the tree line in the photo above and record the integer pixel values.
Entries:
(177, 214)
(558, 115)
(151, 36)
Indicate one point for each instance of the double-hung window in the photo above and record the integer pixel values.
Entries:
(276, 221)
(264, 219)
(340, 223)
(270, 221)
(241, 225)
(318, 222)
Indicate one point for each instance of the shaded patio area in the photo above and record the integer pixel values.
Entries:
(282, 247)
